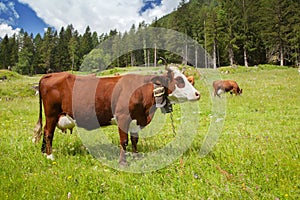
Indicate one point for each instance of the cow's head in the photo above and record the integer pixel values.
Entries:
(239, 91)
(191, 79)
(179, 89)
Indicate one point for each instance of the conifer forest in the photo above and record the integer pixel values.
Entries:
(233, 32)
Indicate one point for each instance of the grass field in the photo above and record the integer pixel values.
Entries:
(256, 156)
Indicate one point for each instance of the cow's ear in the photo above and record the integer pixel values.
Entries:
(159, 80)
(156, 80)
(169, 73)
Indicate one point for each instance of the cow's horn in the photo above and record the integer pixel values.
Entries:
(166, 63)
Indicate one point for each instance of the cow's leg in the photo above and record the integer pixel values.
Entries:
(48, 137)
(123, 143)
(123, 125)
(134, 137)
(215, 92)
(218, 92)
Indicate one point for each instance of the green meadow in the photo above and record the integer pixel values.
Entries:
(256, 156)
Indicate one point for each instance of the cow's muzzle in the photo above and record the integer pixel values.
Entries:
(197, 95)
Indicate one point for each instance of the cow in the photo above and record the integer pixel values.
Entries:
(3, 78)
(129, 100)
(191, 79)
(222, 86)
(36, 89)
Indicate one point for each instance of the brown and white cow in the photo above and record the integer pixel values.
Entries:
(131, 100)
(191, 79)
(222, 86)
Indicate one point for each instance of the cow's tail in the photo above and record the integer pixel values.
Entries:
(38, 128)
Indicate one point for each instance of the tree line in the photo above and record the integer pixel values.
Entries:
(54, 51)
(241, 32)
(233, 32)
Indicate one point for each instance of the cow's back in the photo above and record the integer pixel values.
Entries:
(56, 93)
(229, 85)
(217, 84)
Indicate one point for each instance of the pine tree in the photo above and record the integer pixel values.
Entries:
(229, 20)
(131, 44)
(247, 30)
(73, 47)
(95, 39)
(116, 49)
(62, 60)
(13, 46)
(37, 60)
(294, 35)
(86, 42)
(47, 49)
(5, 53)
(26, 52)
(212, 31)
(275, 27)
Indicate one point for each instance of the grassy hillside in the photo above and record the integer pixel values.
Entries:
(16, 86)
(256, 156)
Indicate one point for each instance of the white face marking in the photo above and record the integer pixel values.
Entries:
(187, 93)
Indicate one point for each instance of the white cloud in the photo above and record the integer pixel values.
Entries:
(101, 15)
(167, 6)
(8, 13)
(12, 9)
(6, 29)
(3, 7)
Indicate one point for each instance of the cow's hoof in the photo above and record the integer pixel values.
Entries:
(123, 164)
(35, 140)
(137, 156)
(50, 157)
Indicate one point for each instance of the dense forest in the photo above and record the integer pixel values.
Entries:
(233, 32)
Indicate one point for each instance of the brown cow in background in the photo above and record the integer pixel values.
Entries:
(191, 79)
(222, 86)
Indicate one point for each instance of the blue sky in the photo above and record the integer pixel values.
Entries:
(17, 16)
(101, 15)
(149, 4)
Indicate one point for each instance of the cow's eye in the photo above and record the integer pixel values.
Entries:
(179, 82)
